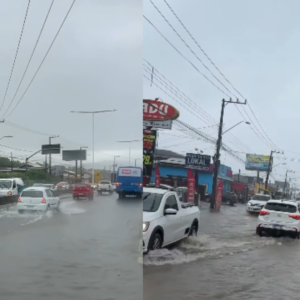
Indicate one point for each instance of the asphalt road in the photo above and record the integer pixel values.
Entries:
(89, 250)
(226, 261)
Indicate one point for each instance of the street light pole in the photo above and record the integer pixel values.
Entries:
(248, 123)
(135, 161)
(114, 168)
(218, 148)
(132, 141)
(269, 167)
(81, 163)
(93, 132)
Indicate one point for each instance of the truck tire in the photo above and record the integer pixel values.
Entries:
(155, 242)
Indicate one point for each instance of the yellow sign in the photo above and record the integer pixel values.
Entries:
(147, 160)
(97, 176)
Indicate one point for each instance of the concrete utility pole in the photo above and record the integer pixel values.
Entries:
(269, 167)
(218, 148)
(285, 181)
(50, 138)
(114, 168)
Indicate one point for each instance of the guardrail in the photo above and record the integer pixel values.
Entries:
(4, 200)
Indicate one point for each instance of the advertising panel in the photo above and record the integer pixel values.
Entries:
(191, 185)
(69, 155)
(149, 142)
(225, 173)
(50, 149)
(256, 162)
(197, 161)
(154, 110)
(166, 124)
(130, 172)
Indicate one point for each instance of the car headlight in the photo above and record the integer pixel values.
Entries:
(145, 226)
(249, 203)
(9, 193)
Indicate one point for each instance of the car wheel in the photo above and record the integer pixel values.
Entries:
(193, 230)
(259, 232)
(155, 242)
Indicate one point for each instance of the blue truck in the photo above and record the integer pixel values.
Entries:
(129, 182)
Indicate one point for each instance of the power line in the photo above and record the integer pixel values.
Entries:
(54, 39)
(29, 61)
(16, 55)
(226, 79)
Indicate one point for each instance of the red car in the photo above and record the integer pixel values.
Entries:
(83, 190)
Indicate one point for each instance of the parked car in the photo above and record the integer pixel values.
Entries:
(104, 186)
(257, 202)
(279, 217)
(37, 199)
(83, 190)
(229, 198)
(166, 220)
(63, 186)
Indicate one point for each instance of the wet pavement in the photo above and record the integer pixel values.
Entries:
(226, 261)
(89, 250)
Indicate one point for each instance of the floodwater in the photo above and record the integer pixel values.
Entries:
(226, 261)
(89, 250)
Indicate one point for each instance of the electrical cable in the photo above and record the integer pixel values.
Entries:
(39, 67)
(16, 55)
(29, 61)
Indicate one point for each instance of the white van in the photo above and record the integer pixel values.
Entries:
(11, 186)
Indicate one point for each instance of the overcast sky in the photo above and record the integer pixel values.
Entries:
(255, 45)
(94, 64)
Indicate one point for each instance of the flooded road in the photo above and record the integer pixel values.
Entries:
(88, 250)
(226, 261)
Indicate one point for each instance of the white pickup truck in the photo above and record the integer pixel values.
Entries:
(105, 186)
(166, 220)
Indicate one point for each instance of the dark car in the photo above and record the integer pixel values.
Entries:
(229, 198)
(83, 190)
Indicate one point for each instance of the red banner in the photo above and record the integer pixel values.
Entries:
(157, 176)
(191, 185)
(219, 194)
(237, 186)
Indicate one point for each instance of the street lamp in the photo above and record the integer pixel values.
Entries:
(129, 142)
(246, 122)
(6, 136)
(50, 167)
(93, 120)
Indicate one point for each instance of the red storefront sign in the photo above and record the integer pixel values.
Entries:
(237, 186)
(191, 184)
(219, 195)
(157, 176)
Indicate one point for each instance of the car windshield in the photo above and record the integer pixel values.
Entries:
(80, 185)
(5, 184)
(33, 194)
(151, 201)
(261, 197)
(283, 207)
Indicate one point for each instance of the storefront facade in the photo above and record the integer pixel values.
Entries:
(225, 174)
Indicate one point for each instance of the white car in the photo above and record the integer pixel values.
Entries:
(105, 186)
(38, 199)
(166, 220)
(279, 217)
(257, 202)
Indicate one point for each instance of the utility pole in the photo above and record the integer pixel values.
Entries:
(218, 148)
(81, 163)
(114, 168)
(50, 138)
(239, 175)
(76, 170)
(285, 181)
(11, 161)
(269, 167)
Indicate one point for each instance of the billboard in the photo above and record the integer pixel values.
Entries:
(51, 149)
(197, 161)
(70, 155)
(149, 142)
(165, 124)
(130, 172)
(256, 162)
(154, 110)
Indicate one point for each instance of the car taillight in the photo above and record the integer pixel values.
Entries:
(296, 217)
(43, 200)
(19, 200)
(117, 184)
(140, 185)
(263, 213)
